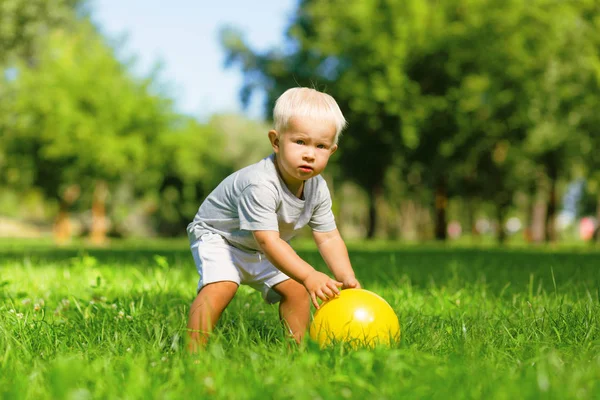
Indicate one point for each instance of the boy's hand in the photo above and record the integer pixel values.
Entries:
(350, 283)
(322, 286)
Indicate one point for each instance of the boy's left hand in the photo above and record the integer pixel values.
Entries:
(350, 283)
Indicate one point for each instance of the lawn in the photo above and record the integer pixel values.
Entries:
(487, 323)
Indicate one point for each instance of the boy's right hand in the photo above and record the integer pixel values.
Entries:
(322, 286)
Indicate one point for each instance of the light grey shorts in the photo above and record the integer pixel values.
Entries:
(217, 261)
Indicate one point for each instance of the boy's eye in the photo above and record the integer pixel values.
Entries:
(320, 146)
(299, 141)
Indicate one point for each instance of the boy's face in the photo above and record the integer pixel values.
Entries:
(303, 150)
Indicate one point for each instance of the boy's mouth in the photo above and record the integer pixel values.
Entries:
(305, 168)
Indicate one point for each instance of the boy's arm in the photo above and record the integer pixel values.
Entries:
(334, 252)
(284, 258)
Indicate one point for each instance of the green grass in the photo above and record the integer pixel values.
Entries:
(476, 323)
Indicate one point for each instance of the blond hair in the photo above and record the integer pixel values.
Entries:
(308, 103)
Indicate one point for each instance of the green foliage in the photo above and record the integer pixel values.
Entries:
(78, 117)
(483, 99)
(111, 323)
(195, 158)
(26, 23)
(245, 141)
(72, 115)
(476, 95)
(191, 165)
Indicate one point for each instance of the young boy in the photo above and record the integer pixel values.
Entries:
(241, 232)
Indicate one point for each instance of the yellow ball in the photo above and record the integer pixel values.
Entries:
(358, 317)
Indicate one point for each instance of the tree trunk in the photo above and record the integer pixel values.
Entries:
(62, 224)
(551, 212)
(441, 203)
(99, 221)
(500, 216)
(528, 226)
(539, 211)
(375, 195)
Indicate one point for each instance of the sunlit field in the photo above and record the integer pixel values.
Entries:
(476, 323)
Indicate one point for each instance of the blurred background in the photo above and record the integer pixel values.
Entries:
(469, 120)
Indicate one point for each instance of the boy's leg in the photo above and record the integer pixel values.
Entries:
(206, 311)
(294, 307)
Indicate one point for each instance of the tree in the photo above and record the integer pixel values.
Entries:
(26, 24)
(196, 157)
(192, 163)
(244, 141)
(77, 121)
(443, 88)
(509, 47)
(586, 114)
(327, 69)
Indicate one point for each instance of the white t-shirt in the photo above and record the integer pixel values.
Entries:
(256, 198)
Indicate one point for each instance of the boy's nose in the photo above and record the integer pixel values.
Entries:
(309, 154)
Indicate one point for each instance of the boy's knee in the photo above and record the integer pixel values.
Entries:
(293, 290)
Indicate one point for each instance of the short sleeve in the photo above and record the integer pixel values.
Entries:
(322, 219)
(257, 209)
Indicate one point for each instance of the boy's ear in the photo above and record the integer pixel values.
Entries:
(274, 139)
(334, 149)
